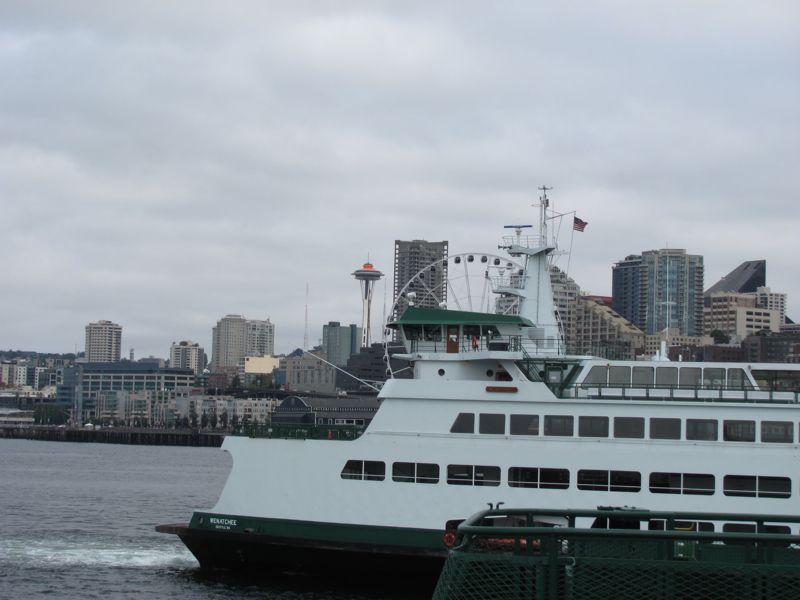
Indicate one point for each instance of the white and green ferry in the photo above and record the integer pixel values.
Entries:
(497, 413)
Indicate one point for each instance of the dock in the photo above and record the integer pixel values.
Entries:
(117, 435)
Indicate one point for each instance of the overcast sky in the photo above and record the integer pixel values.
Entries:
(163, 164)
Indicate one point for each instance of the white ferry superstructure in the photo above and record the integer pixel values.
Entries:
(496, 413)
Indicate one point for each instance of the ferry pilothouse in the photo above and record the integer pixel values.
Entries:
(496, 412)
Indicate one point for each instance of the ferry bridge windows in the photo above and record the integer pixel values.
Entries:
(702, 429)
(409, 472)
(614, 481)
(628, 427)
(698, 484)
(737, 380)
(464, 423)
(619, 376)
(753, 486)
(492, 423)
(739, 431)
(367, 470)
(777, 432)
(596, 376)
(477, 475)
(532, 477)
(665, 429)
(593, 426)
(524, 425)
(713, 378)
(779, 381)
(559, 425)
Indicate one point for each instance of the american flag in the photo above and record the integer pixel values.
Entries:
(579, 224)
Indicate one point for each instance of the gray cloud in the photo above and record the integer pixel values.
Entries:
(162, 165)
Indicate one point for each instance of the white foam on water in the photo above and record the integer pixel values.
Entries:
(62, 553)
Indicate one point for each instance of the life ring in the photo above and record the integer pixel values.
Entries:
(449, 539)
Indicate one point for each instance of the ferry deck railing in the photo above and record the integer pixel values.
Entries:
(524, 554)
(678, 393)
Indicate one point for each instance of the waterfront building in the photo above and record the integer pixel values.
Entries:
(187, 355)
(766, 298)
(673, 339)
(103, 342)
(259, 368)
(91, 379)
(235, 337)
(660, 289)
(307, 373)
(340, 343)
(410, 257)
(598, 330)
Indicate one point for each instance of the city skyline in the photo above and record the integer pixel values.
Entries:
(164, 167)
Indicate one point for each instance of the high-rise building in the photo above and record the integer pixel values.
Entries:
(744, 279)
(103, 342)
(187, 355)
(235, 337)
(766, 298)
(660, 289)
(411, 257)
(340, 343)
(739, 315)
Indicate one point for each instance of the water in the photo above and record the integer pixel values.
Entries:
(77, 521)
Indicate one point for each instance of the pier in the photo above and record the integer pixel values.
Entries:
(117, 435)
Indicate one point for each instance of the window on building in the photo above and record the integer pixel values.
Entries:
(464, 423)
(524, 424)
(665, 429)
(593, 426)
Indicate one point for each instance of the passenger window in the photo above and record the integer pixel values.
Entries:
(523, 477)
(596, 376)
(402, 471)
(619, 376)
(464, 423)
(643, 376)
(739, 485)
(693, 484)
(554, 479)
(562, 425)
(593, 480)
(666, 376)
(626, 481)
(737, 380)
(480, 475)
(524, 424)
(427, 473)
(489, 476)
(777, 432)
(698, 484)
(713, 378)
(593, 426)
(459, 474)
(665, 483)
(739, 431)
(665, 429)
(353, 469)
(689, 377)
(774, 487)
(701, 429)
(492, 423)
(628, 427)
(374, 470)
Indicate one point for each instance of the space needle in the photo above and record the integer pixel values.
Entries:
(367, 275)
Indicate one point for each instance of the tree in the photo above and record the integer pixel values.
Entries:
(223, 419)
(213, 420)
(234, 421)
(236, 384)
(193, 418)
(720, 337)
(204, 421)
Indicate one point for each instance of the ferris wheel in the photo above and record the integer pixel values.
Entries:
(465, 282)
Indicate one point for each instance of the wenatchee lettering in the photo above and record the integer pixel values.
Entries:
(228, 522)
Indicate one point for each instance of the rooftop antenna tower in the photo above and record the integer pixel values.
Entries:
(367, 276)
(305, 329)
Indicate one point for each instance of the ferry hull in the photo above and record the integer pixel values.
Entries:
(357, 557)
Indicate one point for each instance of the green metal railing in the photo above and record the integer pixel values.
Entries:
(527, 558)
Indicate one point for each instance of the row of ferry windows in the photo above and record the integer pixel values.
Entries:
(691, 377)
(697, 484)
(660, 428)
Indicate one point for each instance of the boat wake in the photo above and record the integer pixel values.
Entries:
(63, 553)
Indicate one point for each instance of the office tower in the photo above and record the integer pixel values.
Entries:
(660, 289)
(738, 315)
(235, 337)
(409, 259)
(367, 276)
(103, 342)
(766, 298)
(187, 355)
(340, 343)
(746, 278)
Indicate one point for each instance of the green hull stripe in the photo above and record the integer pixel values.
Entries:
(314, 530)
